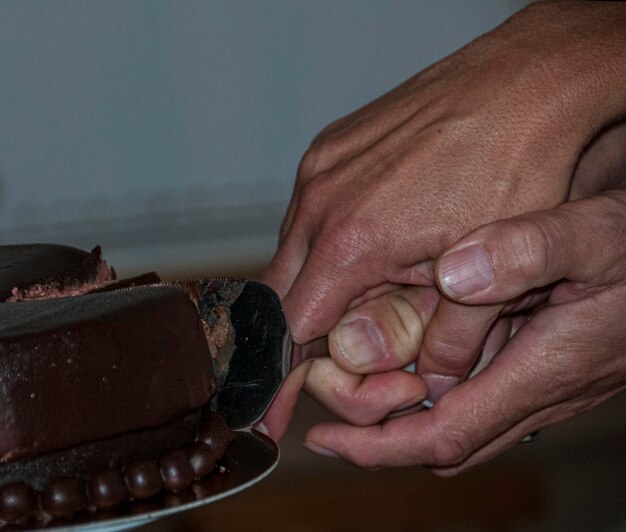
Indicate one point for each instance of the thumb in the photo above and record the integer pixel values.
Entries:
(581, 241)
(383, 333)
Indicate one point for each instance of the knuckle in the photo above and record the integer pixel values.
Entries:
(318, 158)
(312, 201)
(449, 353)
(451, 447)
(359, 408)
(364, 455)
(612, 220)
(526, 250)
(309, 163)
(311, 192)
(328, 131)
(343, 238)
(406, 322)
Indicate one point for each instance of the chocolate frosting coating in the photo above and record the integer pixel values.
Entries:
(140, 280)
(106, 487)
(137, 351)
(140, 353)
(25, 265)
(81, 461)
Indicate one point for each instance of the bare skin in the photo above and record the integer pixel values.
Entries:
(566, 358)
(491, 132)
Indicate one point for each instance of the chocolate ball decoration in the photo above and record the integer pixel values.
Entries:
(176, 472)
(215, 433)
(64, 496)
(17, 501)
(107, 488)
(201, 458)
(143, 479)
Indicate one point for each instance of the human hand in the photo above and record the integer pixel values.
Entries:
(449, 347)
(490, 132)
(567, 358)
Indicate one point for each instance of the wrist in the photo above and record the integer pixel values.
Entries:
(584, 65)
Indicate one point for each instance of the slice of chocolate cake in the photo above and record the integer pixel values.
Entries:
(104, 395)
(38, 271)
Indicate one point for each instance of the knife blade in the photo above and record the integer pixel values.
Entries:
(250, 343)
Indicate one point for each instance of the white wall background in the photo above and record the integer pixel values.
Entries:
(170, 131)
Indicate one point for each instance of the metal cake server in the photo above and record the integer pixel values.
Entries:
(252, 358)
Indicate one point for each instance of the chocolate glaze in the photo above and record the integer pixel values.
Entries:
(25, 265)
(139, 478)
(81, 461)
(140, 280)
(139, 353)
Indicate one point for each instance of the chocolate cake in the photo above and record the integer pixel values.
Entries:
(38, 271)
(104, 386)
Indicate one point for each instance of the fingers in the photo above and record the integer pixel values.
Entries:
(533, 423)
(398, 319)
(277, 418)
(519, 382)
(580, 241)
(285, 265)
(359, 399)
(314, 349)
(506, 259)
(567, 358)
(498, 335)
(451, 344)
(363, 399)
(384, 333)
(602, 166)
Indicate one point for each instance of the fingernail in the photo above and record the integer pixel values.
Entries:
(438, 385)
(410, 407)
(466, 271)
(359, 342)
(410, 403)
(320, 450)
(262, 427)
